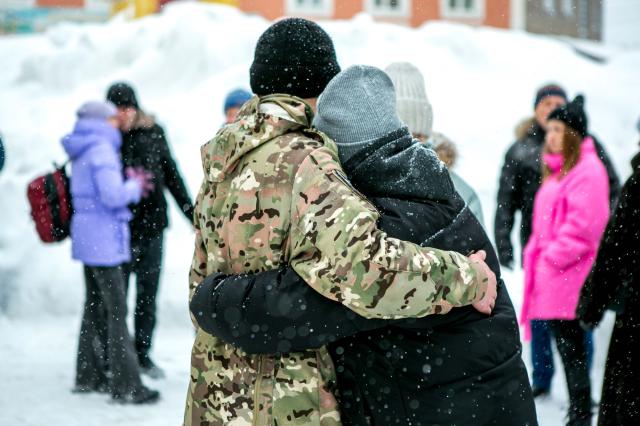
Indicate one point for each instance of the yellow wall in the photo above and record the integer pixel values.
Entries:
(147, 7)
(229, 2)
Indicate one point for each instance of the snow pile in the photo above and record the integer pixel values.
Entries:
(183, 62)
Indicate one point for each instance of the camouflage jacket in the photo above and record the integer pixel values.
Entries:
(274, 193)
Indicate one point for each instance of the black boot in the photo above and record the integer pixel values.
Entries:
(143, 395)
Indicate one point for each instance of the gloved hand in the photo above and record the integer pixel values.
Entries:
(143, 177)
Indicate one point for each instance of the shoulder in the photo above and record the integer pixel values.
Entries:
(102, 153)
(309, 149)
(461, 185)
(521, 150)
(154, 133)
(593, 165)
(156, 130)
(589, 174)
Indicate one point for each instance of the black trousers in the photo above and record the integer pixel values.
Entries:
(106, 357)
(146, 263)
(570, 340)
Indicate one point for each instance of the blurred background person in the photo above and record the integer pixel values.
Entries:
(570, 213)
(615, 284)
(519, 181)
(233, 102)
(448, 154)
(416, 113)
(107, 360)
(144, 144)
(1, 154)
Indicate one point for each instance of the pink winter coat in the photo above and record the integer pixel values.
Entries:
(569, 218)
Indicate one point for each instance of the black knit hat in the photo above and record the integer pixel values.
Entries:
(573, 115)
(549, 90)
(122, 95)
(293, 56)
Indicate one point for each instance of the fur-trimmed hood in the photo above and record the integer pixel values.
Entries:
(526, 127)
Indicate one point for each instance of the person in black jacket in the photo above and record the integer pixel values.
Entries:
(1, 154)
(615, 284)
(144, 145)
(519, 181)
(463, 368)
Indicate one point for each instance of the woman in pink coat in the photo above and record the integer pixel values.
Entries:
(570, 214)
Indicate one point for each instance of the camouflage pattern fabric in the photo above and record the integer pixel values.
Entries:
(274, 193)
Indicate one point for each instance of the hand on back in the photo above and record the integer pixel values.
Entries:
(488, 301)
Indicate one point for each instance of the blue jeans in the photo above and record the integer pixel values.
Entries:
(542, 356)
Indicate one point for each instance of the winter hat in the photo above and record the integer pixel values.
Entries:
(413, 105)
(549, 90)
(573, 115)
(236, 98)
(99, 110)
(293, 56)
(122, 95)
(357, 107)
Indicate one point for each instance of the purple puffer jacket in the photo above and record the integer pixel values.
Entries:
(100, 224)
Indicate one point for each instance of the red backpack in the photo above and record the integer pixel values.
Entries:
(51, 209)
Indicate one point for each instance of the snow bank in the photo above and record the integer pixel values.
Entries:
(183, 61)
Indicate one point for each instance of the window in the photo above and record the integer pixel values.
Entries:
(388, 7)
(310, 7)
(462, 8)
(549, 7)
(568, 8)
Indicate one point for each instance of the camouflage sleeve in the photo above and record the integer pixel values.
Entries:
(338, 250)
(198, 270)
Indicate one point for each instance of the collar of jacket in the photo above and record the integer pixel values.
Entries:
(261, 120)
(143, 121)
(536, 132)
(398, 166)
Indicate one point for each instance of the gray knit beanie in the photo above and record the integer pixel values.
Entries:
(357, 107)
(414, 108)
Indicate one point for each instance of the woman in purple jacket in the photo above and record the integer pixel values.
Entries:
(107, 360)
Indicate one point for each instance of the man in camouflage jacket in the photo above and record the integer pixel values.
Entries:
(274, 193)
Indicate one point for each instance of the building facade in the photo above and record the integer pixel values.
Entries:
(495, 13)
(573, 18)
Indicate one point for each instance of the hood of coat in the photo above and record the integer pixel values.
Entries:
(529, 128)
(399, 166)
(88, 132)
(261, 120)
(143, 120)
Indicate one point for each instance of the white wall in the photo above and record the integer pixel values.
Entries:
(621, 22)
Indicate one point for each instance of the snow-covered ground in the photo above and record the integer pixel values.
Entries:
(480, 81)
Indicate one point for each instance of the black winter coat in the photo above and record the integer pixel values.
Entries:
(615, 284)
(463, 368)
(146, 145)
(519, 181)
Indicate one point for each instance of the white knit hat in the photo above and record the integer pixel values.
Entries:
(412, 103)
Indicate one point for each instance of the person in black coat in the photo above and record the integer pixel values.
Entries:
(1, 154)
(615, 284)
(520, 179)
(144, 145)
(462, 368)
